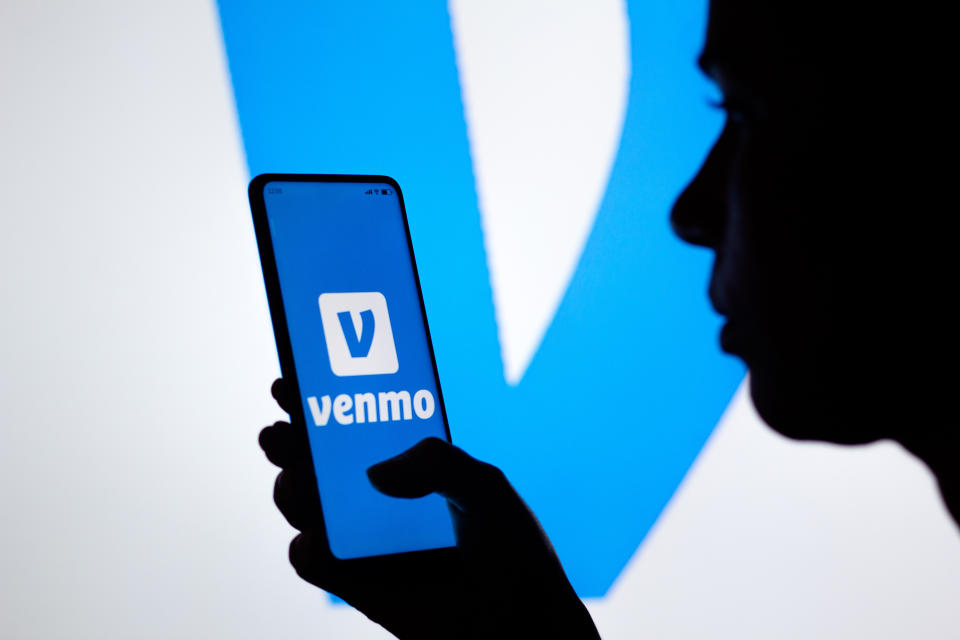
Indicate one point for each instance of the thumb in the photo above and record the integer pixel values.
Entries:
(436, 466)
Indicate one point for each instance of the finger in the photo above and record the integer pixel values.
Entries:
(295, 494)
(282, 443)
(311, 558)
(284, 395)
(436, 466)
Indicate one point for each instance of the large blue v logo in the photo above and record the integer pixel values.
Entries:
(602, 425)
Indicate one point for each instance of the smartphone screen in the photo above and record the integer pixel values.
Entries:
(361, 353)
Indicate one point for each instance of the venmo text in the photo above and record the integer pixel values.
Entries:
(367, 407)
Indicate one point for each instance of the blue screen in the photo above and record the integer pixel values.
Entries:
(361, 355)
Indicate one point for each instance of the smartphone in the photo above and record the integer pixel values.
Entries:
(352, 336)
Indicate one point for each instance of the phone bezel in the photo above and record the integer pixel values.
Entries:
(279, 319)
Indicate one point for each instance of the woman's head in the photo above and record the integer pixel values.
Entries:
(793, 198)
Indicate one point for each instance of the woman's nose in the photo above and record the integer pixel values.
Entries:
(699, 213)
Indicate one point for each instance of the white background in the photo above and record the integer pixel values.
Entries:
(136, 354)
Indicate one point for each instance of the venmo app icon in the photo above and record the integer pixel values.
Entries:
(356, 327)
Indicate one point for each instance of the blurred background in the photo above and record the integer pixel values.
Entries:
(539, 146)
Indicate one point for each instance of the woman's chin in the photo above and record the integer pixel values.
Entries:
(808, 412)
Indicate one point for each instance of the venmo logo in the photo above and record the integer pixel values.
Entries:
(356, 327)
(367, 407)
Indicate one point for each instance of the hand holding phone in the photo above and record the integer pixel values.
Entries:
(369, 476)
(502, 581)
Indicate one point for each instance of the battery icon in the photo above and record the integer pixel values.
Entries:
(386, 192)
